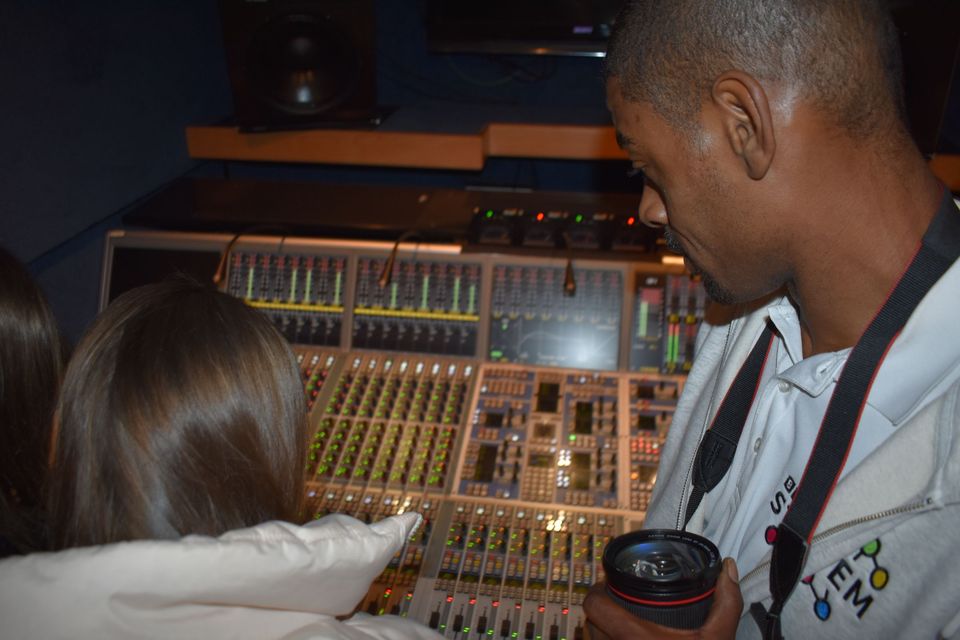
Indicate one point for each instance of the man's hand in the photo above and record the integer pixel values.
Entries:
(609, 621)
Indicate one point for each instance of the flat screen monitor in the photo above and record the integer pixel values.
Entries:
(546, 27)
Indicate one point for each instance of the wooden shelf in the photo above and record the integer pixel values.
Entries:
(406, 149)
(432, 150)
(338, 146)
(567, 142)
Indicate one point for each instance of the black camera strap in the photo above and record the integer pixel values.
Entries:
(939, 248)
(719, 444)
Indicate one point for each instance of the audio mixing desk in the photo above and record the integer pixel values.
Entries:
(523, 420)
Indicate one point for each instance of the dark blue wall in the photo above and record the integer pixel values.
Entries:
(96, 97)
(95, 100)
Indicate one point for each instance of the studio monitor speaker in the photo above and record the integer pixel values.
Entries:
(300, 63)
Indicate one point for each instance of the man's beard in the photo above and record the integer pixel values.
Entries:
(717, 293)
(672, 242)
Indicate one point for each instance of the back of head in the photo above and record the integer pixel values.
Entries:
(841, 56)
(31, 364)
(181, 412)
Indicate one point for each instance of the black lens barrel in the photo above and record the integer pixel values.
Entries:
(663, 575)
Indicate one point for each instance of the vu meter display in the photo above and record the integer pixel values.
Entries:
(303, 295)
(532, 321)
(426, 307)
(668, 310)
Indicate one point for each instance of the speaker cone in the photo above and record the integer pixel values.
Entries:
(302, 65)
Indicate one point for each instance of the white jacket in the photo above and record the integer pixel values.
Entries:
(275, 580)
(885, 561)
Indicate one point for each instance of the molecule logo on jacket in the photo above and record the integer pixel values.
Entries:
(851, 583)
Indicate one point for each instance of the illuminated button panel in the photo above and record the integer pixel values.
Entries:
(391, 422)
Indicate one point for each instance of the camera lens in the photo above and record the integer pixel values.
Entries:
(663, 575)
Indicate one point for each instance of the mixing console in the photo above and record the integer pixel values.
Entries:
(521, 416)
(520, 473)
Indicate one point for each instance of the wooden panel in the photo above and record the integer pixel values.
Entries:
(435, 150)
(572, 142)
(947, 168)
(350, 147)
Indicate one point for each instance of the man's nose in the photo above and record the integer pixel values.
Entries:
(652, 211)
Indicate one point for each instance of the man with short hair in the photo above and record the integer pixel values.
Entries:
(777, 159)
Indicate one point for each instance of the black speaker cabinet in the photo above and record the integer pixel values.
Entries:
(300, 64)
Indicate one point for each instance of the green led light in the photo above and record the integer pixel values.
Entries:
(489, 213)
(579, 217)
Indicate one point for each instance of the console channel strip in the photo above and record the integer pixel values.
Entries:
(302, 294)
(390, 421)
(316, 367)
(421, 306)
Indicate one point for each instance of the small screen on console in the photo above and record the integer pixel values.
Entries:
(534, 320)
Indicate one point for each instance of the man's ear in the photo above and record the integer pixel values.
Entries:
(747, 121)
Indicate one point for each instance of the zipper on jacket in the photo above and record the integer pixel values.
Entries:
(915, 506)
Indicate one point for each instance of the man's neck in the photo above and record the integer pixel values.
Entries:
(867, 237)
